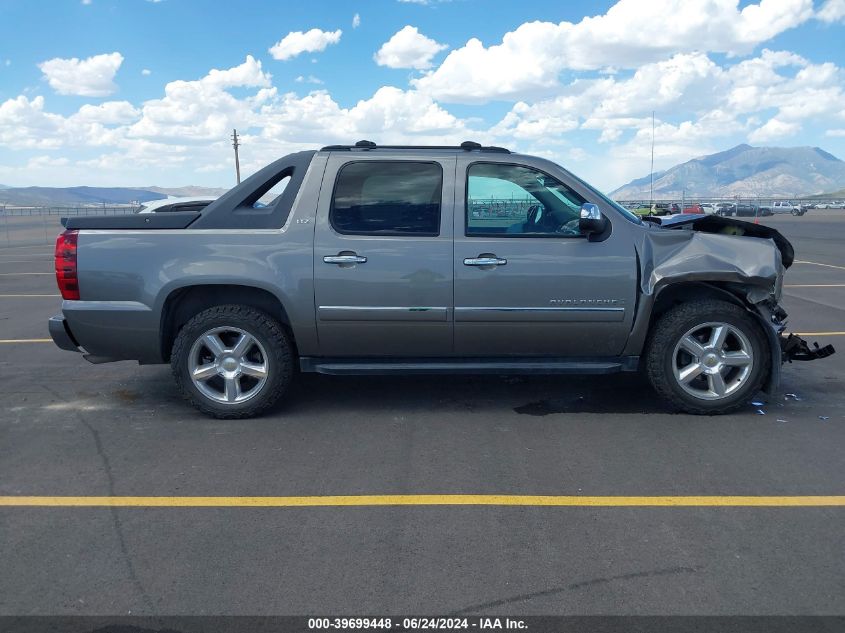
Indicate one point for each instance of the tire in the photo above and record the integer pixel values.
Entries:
(240, 383)
(679, 329)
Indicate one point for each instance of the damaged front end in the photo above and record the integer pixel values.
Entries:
(704, 250)
(793, 347)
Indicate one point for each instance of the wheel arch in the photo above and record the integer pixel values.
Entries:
(673, 294)
(181, 304)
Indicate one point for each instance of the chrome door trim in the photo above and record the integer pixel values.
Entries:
(383, 313)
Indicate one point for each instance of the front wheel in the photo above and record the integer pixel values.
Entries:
(232, 361)
(707, 357)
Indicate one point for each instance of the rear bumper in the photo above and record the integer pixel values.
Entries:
(61, 335)
(108, 331)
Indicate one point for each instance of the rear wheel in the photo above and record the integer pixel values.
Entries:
(232, 361)
(707, 357)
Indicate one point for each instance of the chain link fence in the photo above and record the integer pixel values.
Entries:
(31, 226)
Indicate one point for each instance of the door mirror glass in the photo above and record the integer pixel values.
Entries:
(591, 222)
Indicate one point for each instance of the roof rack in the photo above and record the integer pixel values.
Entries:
(467, 146)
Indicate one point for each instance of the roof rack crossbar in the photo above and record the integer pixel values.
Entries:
(467, 146)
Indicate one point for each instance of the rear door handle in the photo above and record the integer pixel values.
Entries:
(485, 261)
(345, 259)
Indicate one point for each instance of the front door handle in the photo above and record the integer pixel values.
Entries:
(485, 260)
(345, 259)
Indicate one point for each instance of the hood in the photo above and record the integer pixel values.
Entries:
(713, 249)
(729, 226)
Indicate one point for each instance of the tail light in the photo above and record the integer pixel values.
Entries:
(66, 276)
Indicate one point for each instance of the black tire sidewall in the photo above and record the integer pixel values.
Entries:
(254, 322)
(733, 315)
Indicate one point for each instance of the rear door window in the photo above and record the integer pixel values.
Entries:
(387, 198)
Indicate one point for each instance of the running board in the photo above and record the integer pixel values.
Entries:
(376, 366)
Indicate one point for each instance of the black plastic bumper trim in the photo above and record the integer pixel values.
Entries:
(60, 333)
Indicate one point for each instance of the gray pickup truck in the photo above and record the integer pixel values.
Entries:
(397, 259)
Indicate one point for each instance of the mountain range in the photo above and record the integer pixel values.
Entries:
(86, 196)
(744, 171)
(740, 171)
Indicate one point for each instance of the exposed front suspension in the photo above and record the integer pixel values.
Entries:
(793, 347)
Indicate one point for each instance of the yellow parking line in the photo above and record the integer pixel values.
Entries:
(797, 261)
(9, 341)
(820, 333)
(426, 500)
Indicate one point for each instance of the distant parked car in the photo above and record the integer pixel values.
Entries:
(693, 207)
(725, 208)
(710, 208)
(197, 203)
(746, 209)
(662, 208)
(785, 206)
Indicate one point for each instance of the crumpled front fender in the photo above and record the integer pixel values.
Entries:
(687, 256)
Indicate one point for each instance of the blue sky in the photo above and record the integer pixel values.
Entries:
(136, 92)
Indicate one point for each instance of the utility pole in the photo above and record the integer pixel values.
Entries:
(651, 192)
(236, 145)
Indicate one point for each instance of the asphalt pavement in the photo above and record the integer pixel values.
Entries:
(69, 428)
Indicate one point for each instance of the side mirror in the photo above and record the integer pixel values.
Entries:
(592, 222)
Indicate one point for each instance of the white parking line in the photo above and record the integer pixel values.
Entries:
(797, 261)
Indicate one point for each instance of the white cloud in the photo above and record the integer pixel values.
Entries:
(91, 77)
(108, 113)
(204, 109)
(529, 60)
(25, 125)
(296, 42)
(612, 104)
(8, 62)
(599, 117)
(146, 72)
(356, 21)
(408, 48)
(832, 11)
(773, 129)
(391, 114)
(45, 161)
